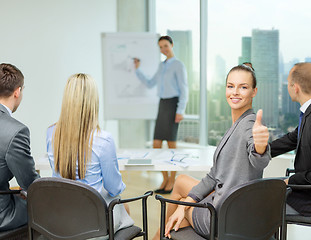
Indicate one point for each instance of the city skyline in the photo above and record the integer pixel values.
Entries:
(265, 60)
(262, 49)
(228, 21)
(269, 42)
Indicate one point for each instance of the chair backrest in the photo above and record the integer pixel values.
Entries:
(66, 209)
(254, 210)
(20, 233)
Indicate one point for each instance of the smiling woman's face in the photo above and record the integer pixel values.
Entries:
(240, 91)
(166, 47)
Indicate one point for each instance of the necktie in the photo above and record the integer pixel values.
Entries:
(300, 119)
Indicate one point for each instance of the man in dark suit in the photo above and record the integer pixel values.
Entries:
(299, 89)
(15, 158)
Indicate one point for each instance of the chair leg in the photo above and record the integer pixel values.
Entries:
(110, 224)
(145, 217)
(277, 234)
(284, 231)
(30, 233)
(162, 223)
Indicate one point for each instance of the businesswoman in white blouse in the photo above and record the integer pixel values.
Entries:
(172, 88)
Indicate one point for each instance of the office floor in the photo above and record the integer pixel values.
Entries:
(139, 182)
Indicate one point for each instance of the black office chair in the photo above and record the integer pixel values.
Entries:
(67, 209)
(254, 210)
(296, 219)
(20, 233)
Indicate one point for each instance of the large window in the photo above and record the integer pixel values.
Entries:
(273, 35)
(180, 19)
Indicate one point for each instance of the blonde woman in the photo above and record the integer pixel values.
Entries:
(78, 149)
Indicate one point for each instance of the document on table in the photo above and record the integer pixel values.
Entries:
(132, 154)
(178, 158)
(135, 158)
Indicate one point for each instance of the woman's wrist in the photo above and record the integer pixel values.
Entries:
(183, 207)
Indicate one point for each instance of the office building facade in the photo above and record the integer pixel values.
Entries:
(246, 50)
(265, 59)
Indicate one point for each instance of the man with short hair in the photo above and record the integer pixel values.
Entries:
(15, 158)
(299, 89)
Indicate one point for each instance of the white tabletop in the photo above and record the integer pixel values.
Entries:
(169, 159)
(162, 159)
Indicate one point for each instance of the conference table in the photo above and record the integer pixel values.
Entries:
(185, 159)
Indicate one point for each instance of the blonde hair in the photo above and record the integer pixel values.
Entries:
(73, 134)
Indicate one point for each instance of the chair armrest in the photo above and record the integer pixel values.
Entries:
(24, 193)
(200, 205)
(146, 195)
(120, 201)
(5, 192)
(289, 171)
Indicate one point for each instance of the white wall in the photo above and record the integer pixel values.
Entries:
(48, 41)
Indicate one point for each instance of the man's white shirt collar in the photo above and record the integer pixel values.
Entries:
(9, 110)
(304, 106)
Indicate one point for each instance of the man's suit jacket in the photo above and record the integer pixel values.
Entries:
(15, 161)
(299, 200)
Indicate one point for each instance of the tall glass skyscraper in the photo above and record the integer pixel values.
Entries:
(246, 50)
(265, 59)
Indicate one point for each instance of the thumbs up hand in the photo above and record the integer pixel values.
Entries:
(260, 134)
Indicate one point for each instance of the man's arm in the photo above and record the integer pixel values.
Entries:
(300, 178)
(284, 144)
(19, 159)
